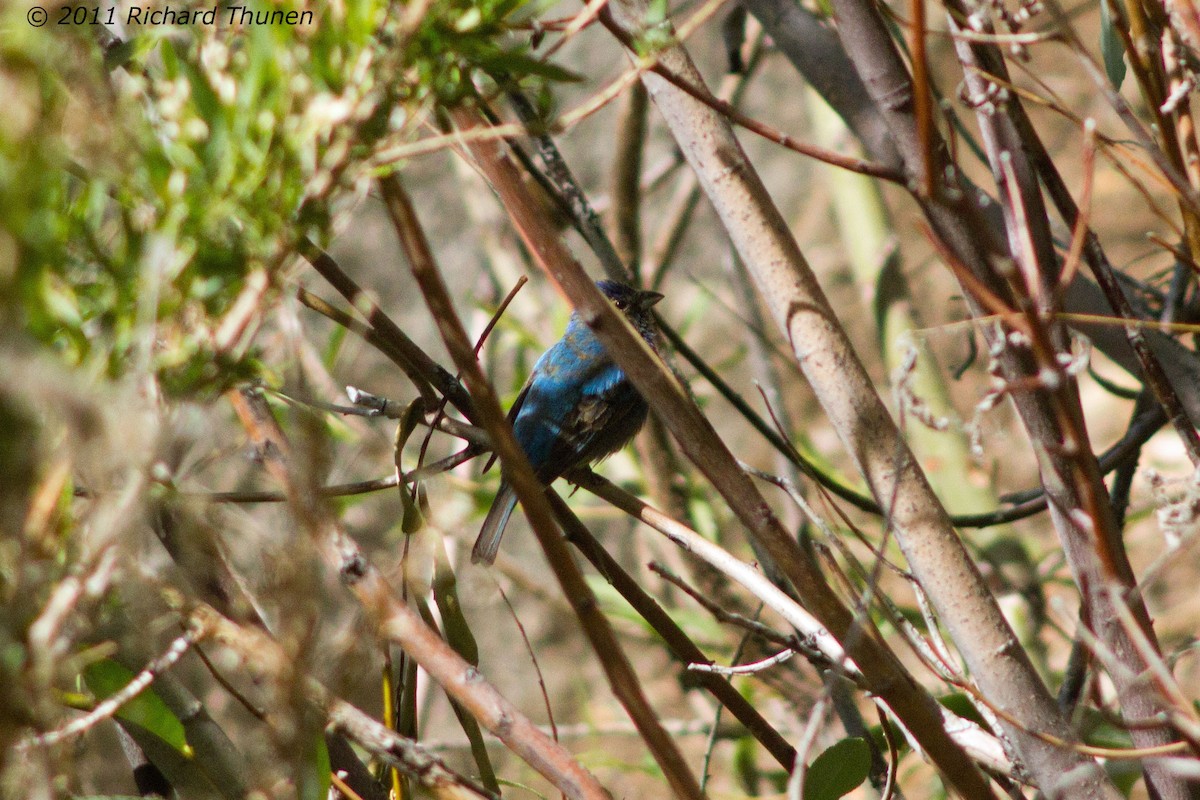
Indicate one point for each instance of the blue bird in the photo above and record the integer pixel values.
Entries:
(576, 408)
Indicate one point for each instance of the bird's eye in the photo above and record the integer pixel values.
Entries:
(621, 304)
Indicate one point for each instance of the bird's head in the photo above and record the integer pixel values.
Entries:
(628, 299)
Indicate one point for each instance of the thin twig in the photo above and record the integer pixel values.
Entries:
(112, 704)
(751, 626)
(537, 668)
(520, 475)
(681, 646)
(422, 370)
(744, 669)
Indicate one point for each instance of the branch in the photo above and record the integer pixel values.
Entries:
(398, 622)
(264, 657)
(676, 639)
(520, 474)
(848, 395)
(417, 365)
(110, 705)
(702, 445)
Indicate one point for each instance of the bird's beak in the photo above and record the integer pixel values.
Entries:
(647, 298)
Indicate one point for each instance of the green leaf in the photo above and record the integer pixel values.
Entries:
(657, 12)
(963, 706)
(445, 594)
(146, 710)
(458, 633)
(469, 21)
(412, 520)
(517, 65)
(314, 784)
(745, 765)
(1111, 47)
(838, 771)
(1124, 773)
(1099, 731)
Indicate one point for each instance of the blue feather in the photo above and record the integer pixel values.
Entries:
(577, 407)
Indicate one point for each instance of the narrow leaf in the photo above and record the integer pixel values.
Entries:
(838, 771)
(147, 710)
(1111, 47)
(314, 783)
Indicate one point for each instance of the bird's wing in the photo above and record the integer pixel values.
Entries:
(558, 374)
(512, 417)
(606, 414)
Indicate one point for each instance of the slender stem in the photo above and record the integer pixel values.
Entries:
(676, 639)
(519, 473)
(700, 443)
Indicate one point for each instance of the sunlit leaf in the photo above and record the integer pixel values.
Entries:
(146, 710)
(838, 771)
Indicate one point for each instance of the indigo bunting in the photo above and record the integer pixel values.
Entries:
(576, 408)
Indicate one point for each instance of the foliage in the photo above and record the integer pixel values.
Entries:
(177, 452)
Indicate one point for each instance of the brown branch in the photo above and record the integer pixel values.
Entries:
(923, 97)
(1079, 507)
(1098, 545)
(860, 165)
(814, 50)
(675, 638)
(398, 622)
(520, 474)
(848, 393)
(700, 442)
(721, 614)
(422, 370)
(265, 658)
(625, 216)
(1186, 194)
(567, 190)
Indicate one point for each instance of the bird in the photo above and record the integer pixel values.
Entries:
(576, 408)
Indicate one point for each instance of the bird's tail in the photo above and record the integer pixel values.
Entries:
(488, 542)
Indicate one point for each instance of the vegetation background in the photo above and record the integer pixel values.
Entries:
(212, 583)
